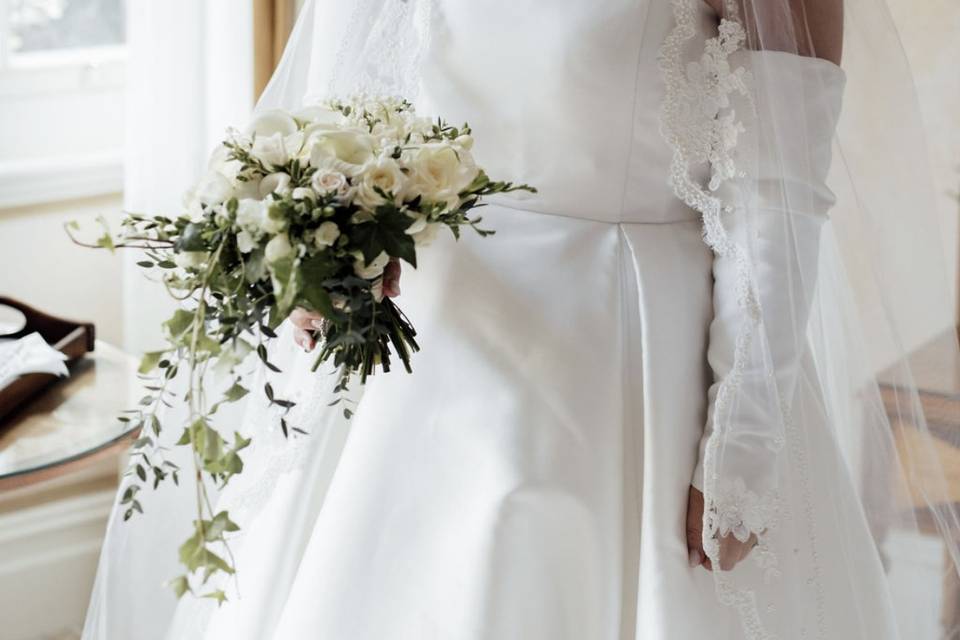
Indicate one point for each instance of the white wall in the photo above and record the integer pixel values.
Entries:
(930, 31)
(40, 266)
(183, 92)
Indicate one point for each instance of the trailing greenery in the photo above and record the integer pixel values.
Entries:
(301, 210)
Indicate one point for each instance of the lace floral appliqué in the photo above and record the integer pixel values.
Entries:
(741, 512)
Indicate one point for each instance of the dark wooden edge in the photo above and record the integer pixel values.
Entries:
(73, 339)
(54, 330)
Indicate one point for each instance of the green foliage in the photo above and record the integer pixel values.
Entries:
(237, 269)
(386, 232)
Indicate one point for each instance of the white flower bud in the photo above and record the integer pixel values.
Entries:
(245, 242)
(278, 248)
(326, 234)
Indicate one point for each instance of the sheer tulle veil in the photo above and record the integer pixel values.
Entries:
(821, 387)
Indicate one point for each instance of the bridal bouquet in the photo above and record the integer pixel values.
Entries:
(302, 209)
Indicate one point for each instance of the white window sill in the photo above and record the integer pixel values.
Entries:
(61, 72)
(57, 179)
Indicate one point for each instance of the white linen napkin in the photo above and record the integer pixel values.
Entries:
(30, 354)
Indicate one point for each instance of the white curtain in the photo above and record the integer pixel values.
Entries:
(189, 76)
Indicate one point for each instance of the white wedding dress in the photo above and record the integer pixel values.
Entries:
(529, 481)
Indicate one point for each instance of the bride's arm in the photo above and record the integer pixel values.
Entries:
(786, 244)
(808, 27)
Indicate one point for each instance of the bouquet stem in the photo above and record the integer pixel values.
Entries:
(394, 330)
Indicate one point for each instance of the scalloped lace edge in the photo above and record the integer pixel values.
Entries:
(701, 128)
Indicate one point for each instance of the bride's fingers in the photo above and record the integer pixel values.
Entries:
(391, 279)
(696, 556)
(304, 339)
(733, 552)
(305, 320)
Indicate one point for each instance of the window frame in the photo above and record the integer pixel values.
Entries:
(56, 75)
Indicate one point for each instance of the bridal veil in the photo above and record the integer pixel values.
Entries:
(812, 181)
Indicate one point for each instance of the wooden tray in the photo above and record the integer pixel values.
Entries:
(73, 339)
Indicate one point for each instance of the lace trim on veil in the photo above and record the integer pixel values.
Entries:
(702, 129)
(392, 36)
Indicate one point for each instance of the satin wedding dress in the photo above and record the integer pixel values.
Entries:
(530, 479)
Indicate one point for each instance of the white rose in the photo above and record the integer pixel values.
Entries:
(347, 151)
(465, 142)
(372, 270)
(278, 183)
(311, 134)
(438, 173)
(327, 181)
(245, 242)
(304, 193)
(326, 234)
(427, 235)
(214, 188)
(190, 259)
(383, 174)
(278, 248)
(271, 150)
(272, 121)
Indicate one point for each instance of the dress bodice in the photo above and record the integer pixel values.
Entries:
(563, 96)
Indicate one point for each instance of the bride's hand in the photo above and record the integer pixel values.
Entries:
(732, 551)
(307, 322)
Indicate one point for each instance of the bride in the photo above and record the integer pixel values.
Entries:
(649, 406)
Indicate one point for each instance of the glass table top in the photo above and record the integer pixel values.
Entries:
(72, 419)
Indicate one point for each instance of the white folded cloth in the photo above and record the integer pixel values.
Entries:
(30, 354)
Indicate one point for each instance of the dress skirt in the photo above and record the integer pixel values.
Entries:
(528, 481)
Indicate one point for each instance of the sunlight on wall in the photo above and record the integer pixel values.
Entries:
(929, 30)
(42, 268)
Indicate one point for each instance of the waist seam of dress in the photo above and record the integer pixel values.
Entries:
(499, 203)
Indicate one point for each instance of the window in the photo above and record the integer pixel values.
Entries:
(61, 98)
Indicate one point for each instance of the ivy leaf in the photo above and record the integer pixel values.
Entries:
(235, 392)
(313, 272)
(106, 240)
(207, 345)
(217, 595)
(178, 323)
(220, 524)
(285, 281)
(231, 355)
(386, 232)
(180, 586)
(149, 361)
